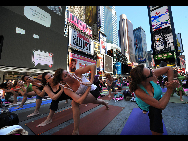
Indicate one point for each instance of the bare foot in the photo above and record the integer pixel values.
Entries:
(75, 132)
(44, 123)
(109, 96)
(18, 107)
(181, 100)
(33, 114)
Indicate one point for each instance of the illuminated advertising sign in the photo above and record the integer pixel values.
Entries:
(164, 56)
(108, 64)
(179, 42)
(118, 67)
(80, 42)
(77, 61)
(42, 58)
(78, 23)
(160, 18)
(162, 29)
(102, 43)
(163, 40)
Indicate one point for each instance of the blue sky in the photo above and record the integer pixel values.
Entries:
(138, 15)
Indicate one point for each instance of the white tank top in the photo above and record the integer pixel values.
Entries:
(82, 88)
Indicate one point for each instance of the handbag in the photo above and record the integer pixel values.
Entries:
(8, 119)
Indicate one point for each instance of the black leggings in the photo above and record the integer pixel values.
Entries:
(155, 116)
(95, 93)
(54, 103)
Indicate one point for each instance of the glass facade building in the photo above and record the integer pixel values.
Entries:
(140, 45)
(109, 24)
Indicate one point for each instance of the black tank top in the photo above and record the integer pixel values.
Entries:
(56, 91)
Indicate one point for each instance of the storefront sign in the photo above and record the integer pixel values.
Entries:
(78, 23)
(78, 61)
(80, 42)
(42, 58)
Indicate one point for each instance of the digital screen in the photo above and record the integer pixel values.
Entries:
(160, 18)
(164, 42)
(108, 64)
(33, 37)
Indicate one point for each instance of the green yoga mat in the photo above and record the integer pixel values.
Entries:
(176, 99)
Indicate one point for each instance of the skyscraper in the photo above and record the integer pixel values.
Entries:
(109, 23)
(126, 38)
(140, 45)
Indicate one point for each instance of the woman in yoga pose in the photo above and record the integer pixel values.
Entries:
(55, 92)
(81, 90)
(149, 94)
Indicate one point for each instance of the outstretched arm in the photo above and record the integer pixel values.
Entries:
(86, 69)
(75, 97)
(163, 70)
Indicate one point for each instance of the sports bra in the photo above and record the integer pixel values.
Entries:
(82, 88)
(157, 95)
(56, 91)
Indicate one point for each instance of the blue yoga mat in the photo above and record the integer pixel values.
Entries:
(29, 105)
(138, 124)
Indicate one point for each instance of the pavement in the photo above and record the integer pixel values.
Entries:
(175, 117)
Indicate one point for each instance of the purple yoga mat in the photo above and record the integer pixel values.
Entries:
(138, 124)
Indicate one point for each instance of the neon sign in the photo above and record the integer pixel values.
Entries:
(78, 23)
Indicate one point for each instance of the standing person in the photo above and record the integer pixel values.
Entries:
(81, 90)
(55, 92)
(180, 91)
(109, 82)
(149, 94)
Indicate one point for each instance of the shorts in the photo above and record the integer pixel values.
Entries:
(39, 97)
(54, 103)
(155, 116)
(95, 93)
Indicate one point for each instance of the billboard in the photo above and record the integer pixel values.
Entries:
(80, 42)
(179, 42)
(77, 61)
(118, 67)
(160, 18)
(31, 35)
(162, 29)
(82, 26)
(108, 64)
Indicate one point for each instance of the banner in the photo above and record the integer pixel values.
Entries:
(102, 44)
(78, 61)
(80, 42)
(118, 67)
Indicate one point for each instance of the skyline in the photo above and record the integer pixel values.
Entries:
(138, 15)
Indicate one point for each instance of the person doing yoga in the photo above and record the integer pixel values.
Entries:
(149, 94)
(55, 92)
(81, 90)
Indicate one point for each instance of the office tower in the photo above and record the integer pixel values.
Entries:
(126, 38)
(140, 45)
(109, 23)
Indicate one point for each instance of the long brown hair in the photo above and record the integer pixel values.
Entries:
(136, 77)
(57, 76)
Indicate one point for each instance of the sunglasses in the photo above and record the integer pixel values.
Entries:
(151, 74)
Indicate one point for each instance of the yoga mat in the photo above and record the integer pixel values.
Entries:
(93, 123)
(57, 119)
(138, 124)
(176, 99)
(106, 97)
(43, 110)
(29, 105)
